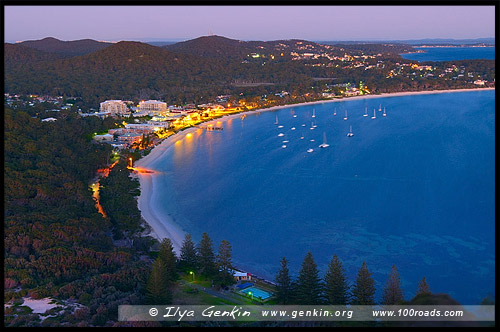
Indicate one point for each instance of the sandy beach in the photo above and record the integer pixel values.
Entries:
(163, 226)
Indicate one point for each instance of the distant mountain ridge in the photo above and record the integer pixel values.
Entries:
(428, 41)
(66, 48)
(221, 47)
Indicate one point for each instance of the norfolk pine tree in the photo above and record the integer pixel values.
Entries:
(364, 289)
(168, 257)
(188, 260)
(336, 287)
(283, 284)
(309, 286)
(157, 289)
(206, 256)
(392, 291)
(224, 264)
(423, 287)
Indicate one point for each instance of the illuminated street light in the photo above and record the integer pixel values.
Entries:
(192, 273)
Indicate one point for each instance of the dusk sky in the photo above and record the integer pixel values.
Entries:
(148, 23)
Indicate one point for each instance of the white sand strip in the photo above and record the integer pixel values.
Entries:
(162, 225)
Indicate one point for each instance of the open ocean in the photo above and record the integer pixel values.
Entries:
(451, 53)
(415, 188)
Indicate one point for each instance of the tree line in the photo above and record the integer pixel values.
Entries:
(200, 261)
(334, 288)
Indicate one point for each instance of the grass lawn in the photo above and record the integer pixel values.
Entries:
(183, 294)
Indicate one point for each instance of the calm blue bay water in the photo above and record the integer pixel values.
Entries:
(452, 53)
(414, 188)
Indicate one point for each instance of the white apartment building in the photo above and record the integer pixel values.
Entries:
(114, 107)
(152, 106)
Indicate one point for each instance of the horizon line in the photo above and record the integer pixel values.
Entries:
(171, 39)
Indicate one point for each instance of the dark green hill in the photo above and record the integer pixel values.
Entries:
(222, 47)
(16, 54)
(122, 70)
(66, 48)
(128, 70)
(213, 47)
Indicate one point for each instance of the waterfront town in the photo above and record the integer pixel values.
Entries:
(143, 124)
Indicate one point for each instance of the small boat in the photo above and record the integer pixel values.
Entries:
(312, 126)
(335, 111)
(312, 140)
(380, 108)
(280, 126)
(301, 137)
(281, 134)
(276, 120)
(324, 144)
(345, 118)
(366, 112)
(295, 115)
(374, 117)
(293, 128)
(310, 150)
(283, 146)
(314, 114)
(350, 134)
(286, 141)
(303, 125)
(384, 113)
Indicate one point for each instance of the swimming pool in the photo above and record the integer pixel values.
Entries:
(256, 293)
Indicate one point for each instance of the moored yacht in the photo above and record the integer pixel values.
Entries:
(324, 144)
(350, 134)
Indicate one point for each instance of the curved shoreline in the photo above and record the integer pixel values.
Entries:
(163, 226)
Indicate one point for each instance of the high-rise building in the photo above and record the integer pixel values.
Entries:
(114, 107)
(153, 106)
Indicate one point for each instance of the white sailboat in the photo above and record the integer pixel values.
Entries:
(384, 113)
(324, 144)
(335, 111)
(366, 112)
(314, 114)
(350, 134)
(380, 108)
(276, 120)
(312, 126)
(374, 117)
(310, 150)
(293, 128)
(345, 118)
(281, 134)
(283, 146)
